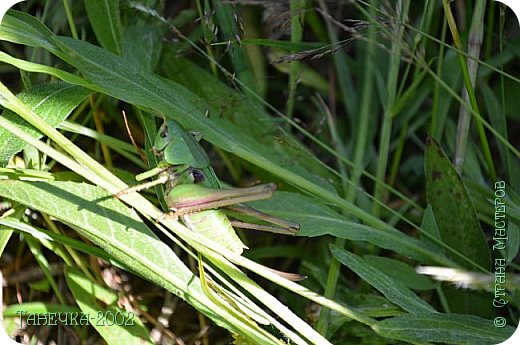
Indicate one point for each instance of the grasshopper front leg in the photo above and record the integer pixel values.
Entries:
(168, 175)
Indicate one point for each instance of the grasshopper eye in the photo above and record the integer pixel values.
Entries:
(198, 176)
(164, 132)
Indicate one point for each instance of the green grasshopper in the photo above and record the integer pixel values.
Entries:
(194, 195)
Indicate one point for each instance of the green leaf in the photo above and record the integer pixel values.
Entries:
(37, 68)
(104, 18)
(5, 236)
(452, 75)
(442, 328)
(371, 305)
(225, 19)
(430, 227)
(50, 236)
(498, 120)
(5, 230)
(400, 271)
(394, 290)
(317, 220)
(454, 212)
(52, 102)
(40, 285)
(86, 294)
(34, 34)
(142, 46)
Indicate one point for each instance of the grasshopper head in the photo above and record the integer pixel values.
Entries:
(178, 147)
(165, 135)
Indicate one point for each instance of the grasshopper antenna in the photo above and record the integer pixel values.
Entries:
(140, 152)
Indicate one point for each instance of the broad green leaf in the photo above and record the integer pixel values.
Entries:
(52, 102)
(356, 331)
(473, 169)
(101, 293)
(225, 19)
(42, 285)
(511, 87)
(50, 236)
(118, 230)
(37, 68)
(35, 34)
(452, 75)
(466, 301)
(513, 207)
(142, 46)
(5, 230)
(5, 236)
(318, 220)
(442, 328)
(216, 94)
(401, 272)
(454, 212)
(371, 305)
(85, 293)
(104, 19)
(255, 54)
(394, 290)
(240, 340)
(498, 120)
(430, 227)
